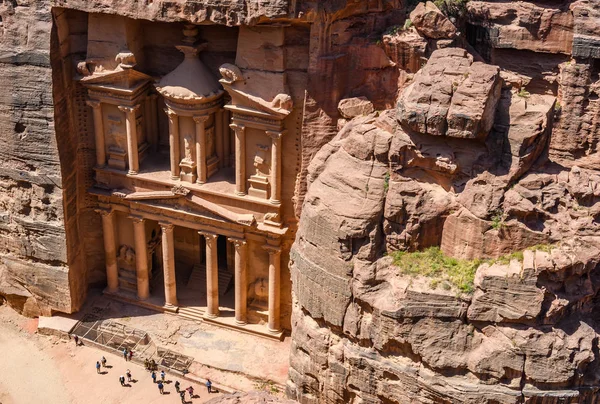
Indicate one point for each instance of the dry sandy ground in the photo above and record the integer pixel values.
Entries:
(40, 369)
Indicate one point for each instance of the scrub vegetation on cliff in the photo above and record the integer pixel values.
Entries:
(433, 263)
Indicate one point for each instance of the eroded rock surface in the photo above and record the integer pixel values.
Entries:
(462, 164)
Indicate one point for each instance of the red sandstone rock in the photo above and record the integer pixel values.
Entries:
(430, 22)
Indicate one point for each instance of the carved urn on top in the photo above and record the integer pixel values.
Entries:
(193, 99)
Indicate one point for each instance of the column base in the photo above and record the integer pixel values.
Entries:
(142, 298)
(171, 307)
(240, 322)
(274, 331)
(274, 202)
(239, 193)
(111, 290)
(199, 182)
(175, 177)
(131, 172)
(211, 316)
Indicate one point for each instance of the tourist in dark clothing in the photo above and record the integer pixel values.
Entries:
(122, 380)
(97, 367)
(177, 384)
(153, 376)
(208, 386)
(160, 387)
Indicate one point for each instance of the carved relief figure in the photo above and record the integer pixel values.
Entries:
(260, 160)
(188, 147)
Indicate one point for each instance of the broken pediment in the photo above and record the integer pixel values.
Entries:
(259, 93)
(125, 81)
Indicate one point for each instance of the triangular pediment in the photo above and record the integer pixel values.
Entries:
(179, 198)
(126, 79)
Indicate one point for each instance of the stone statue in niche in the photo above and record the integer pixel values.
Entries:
(126, 256)
(259, 182)
(187, 147)
(260, 161)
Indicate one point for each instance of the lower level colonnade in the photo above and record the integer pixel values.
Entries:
(142, 269)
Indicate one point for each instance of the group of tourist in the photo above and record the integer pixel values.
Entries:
(152, 367)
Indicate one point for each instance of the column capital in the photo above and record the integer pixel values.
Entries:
(136, 219)
(238, 242)
(105, 212)
(170, 113)
(238, 128)
(200, 118)
(208, 235)
(272, 249)
(128, 109)
(93, 103)
(275, 135)
(167, 227)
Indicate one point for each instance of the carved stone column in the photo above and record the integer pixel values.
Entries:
(98, 133)
(240, 158)
(110, 248)
(132, 141)
(168, 250)
(274, 287)
(275, 166)
(240, 280)
(226, 139)
(154, 121)
(219, 135)
(141, 257)
(201, 148)
(174, 143)
(212, 275)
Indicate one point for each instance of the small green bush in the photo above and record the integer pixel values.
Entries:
(407, 24)
(432, 263)
(386, 182)
(523, 93)
(498, 220)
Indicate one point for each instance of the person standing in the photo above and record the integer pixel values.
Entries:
(153, 376)
(162, 375)
(128, 373)
(103, 360)
(177, 384)
(191, 391)
(209, 386)
(182, 395)
(130, 355)
(122, 380)
(97, 367)
(76, 339)
(125, 354)
(160, 387)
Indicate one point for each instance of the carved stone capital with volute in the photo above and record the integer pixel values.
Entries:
(93, 103)
(128, 109)
(275, 135)
(238, 128)
(167, 227)
(201, 118)
(105, 212)
(272, 249)
(208, 235)
(238, 242)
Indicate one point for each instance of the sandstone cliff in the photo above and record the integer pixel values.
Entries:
(483, 157)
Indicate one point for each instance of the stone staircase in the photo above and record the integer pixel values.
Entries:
(127, 280)
(197, 283)
(197, 280)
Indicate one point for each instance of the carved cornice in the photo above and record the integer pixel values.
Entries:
(105, 212)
